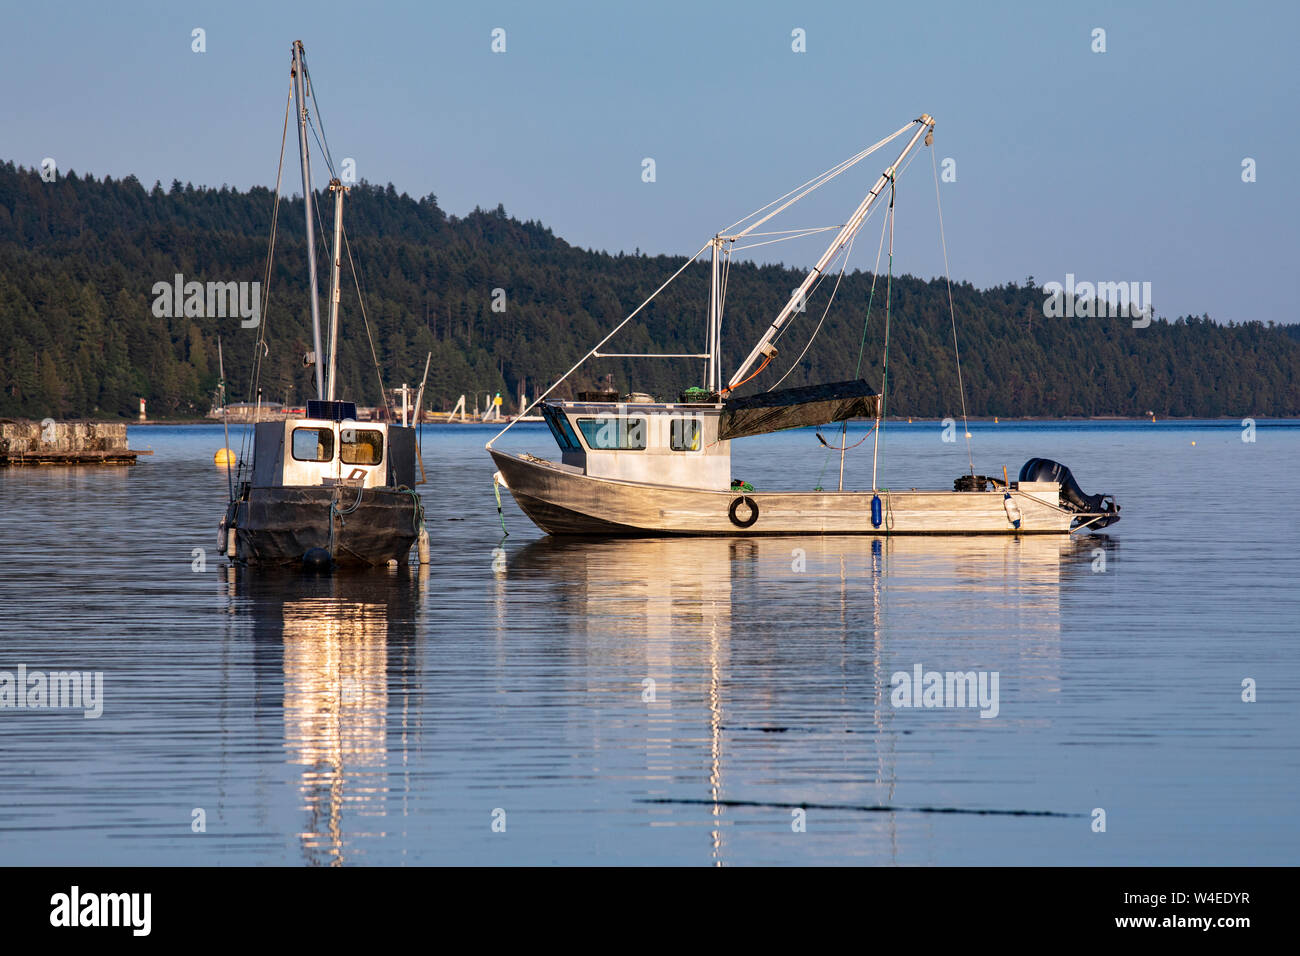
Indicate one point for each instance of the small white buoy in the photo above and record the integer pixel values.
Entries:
(1012, 509)
(422, 545)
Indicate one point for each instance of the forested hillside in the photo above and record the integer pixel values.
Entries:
(79, 258)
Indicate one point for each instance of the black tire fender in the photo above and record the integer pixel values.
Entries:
(753, 511)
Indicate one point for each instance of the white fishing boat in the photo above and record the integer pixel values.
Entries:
(635, 467)
(322, 489)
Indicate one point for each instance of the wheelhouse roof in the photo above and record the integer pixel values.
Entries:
(604, 408)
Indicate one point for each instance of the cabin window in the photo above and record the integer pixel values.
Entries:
(361, 446)
(684, 434)
(313, 444)
(561, 429)
(614, 433)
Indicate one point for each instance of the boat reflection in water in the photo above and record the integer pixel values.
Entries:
(344, 645)
(708, 621)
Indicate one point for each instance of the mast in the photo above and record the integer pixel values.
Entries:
(300, 95)
(926, 124)
(338, 189)
(713, 374)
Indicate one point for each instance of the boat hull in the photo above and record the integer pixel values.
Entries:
(278, 525)
(562, 501)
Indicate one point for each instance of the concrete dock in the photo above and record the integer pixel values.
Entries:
(65, 443)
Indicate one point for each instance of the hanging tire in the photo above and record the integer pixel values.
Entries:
(753, 511)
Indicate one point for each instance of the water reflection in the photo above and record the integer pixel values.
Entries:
(343, 650)
(696, 616)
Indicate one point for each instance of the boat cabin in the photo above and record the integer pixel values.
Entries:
(330, 447)
(653, 442)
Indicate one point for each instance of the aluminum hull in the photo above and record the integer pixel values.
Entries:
(561, 500)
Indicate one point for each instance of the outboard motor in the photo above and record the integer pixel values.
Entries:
(1072, 496)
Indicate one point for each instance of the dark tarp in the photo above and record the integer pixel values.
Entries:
(797, 408)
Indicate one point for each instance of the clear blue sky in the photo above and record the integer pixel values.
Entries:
(1116, 166)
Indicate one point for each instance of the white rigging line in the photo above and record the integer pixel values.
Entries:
(630, 316)
(815, 183)
(361, 301)
(848, 251)
(722, 304)
(799, 192)
(806, 230)
(260, 349)
(798, 234)
(952, 315)
(320, 119)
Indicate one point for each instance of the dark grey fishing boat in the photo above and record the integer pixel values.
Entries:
(325, 488)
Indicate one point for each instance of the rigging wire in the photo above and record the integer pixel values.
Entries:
(843, 446)
(848, 251)
(614, 331)
(722, 302)
(320, 119)
(323, 148)
(875, 274)
(816, 182)
(322, 140)
(361, 301)
(805, 230)
(798, 234)
(952, 315)
(857, 371)
(884, 375)
(259, 352)
(817, 285)
(844, 431)
(799, 192)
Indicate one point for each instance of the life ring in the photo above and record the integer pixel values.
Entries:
(753, 511)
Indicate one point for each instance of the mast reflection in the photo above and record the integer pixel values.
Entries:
(342, 647)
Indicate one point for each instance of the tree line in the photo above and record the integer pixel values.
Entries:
(502, 303)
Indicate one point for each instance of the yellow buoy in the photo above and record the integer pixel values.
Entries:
(224, 458)
(1193, 444)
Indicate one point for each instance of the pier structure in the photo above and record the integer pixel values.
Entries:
(49, 442)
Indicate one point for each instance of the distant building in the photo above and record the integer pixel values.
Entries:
(245, 412)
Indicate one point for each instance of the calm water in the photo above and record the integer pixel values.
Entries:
(391, 717)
